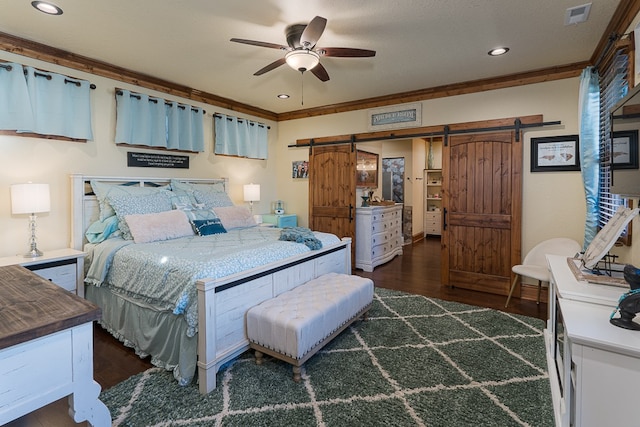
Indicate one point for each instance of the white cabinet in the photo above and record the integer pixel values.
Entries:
(433, 223)
(433, 202)
(378, 235)
(64, 267)
(594, 366)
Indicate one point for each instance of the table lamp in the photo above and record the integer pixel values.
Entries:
(251, 194)
(30, 199)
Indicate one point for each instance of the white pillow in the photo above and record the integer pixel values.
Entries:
(152, 227)
(235, 217)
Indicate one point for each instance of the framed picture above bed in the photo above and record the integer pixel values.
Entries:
(366, 169)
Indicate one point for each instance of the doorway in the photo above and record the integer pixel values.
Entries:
(393, 179)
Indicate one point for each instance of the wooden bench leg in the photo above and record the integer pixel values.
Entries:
(296, 373)
(259, 357)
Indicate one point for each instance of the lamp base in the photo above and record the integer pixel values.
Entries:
(33, 253)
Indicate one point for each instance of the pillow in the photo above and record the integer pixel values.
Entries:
(182, 202)
(235, 217)
(153, 227)
(103, 191)
(214, 194)
(100, 231)
(205, 227)
(212, 199)
(160, 201)
(183, 189)
(201, 214)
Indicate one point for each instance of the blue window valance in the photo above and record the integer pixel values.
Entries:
(154, 122)
(42, 102)
(240, 137)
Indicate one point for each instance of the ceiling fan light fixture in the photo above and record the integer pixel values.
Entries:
(283, 96)
(302, 59)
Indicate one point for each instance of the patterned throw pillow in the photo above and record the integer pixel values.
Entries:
(103, 191)
(206, 227)
(160, 201)
(207, 195)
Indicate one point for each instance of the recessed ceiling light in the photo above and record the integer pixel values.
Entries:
(498, 51)
(48, 8)
(283, 96)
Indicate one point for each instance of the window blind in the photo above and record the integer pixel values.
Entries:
(613, 86)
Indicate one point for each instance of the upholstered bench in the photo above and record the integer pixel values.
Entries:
(296, 324)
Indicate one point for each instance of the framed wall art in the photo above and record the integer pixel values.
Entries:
(300, 169)
(395, 117)
(366, 169)
(625, 149)
(555, 154)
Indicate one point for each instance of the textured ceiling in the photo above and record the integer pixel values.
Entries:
(420, 43)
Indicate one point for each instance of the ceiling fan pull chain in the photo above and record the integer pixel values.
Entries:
(302, 87)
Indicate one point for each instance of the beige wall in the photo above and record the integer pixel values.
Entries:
(51, 161)
(553, 203)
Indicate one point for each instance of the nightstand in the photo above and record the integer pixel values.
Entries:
(64, 267)
(281, 221)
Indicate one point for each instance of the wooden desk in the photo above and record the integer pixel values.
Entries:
(46, 348)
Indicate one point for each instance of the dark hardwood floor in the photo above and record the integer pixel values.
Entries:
(416, 271)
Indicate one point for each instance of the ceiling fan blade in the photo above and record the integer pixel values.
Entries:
(312, 33)
(260, 44)
(345, 52)
(274, 64)
(320, 72)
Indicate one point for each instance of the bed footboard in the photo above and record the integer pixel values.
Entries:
(223, 303)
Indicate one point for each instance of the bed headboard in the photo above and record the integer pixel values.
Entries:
(84, 204)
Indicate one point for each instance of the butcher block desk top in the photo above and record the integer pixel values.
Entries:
(32, 307)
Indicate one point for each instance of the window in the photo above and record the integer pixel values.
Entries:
(613, 87)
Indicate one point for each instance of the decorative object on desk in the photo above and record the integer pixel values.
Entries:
(555, 154)
(365, 201)
(366, 170)
(30, 199)
(278, 207)
(251, 194)
(607, 236)
(629, 303)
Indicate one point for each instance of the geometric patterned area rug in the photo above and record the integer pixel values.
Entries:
(416, 361)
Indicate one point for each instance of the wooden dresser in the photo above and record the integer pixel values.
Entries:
(46, 348)
(378, 235)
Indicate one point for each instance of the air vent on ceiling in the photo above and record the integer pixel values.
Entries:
(576, 15)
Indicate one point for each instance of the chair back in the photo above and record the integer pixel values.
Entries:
(556, 246)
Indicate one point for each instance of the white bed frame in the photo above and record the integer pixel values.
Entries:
(222, 303)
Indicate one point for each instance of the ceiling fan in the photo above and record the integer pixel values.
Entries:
(302, 54)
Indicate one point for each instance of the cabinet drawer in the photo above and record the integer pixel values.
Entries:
(288, 221)
(62, 275)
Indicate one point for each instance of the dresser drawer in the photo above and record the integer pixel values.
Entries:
(62, 275)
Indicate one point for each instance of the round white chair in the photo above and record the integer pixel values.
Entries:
(534, 264)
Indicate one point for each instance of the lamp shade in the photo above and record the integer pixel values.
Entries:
(30, 198)
(252, 192)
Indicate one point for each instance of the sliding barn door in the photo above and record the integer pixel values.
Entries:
(482, 209)
(332, 186)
